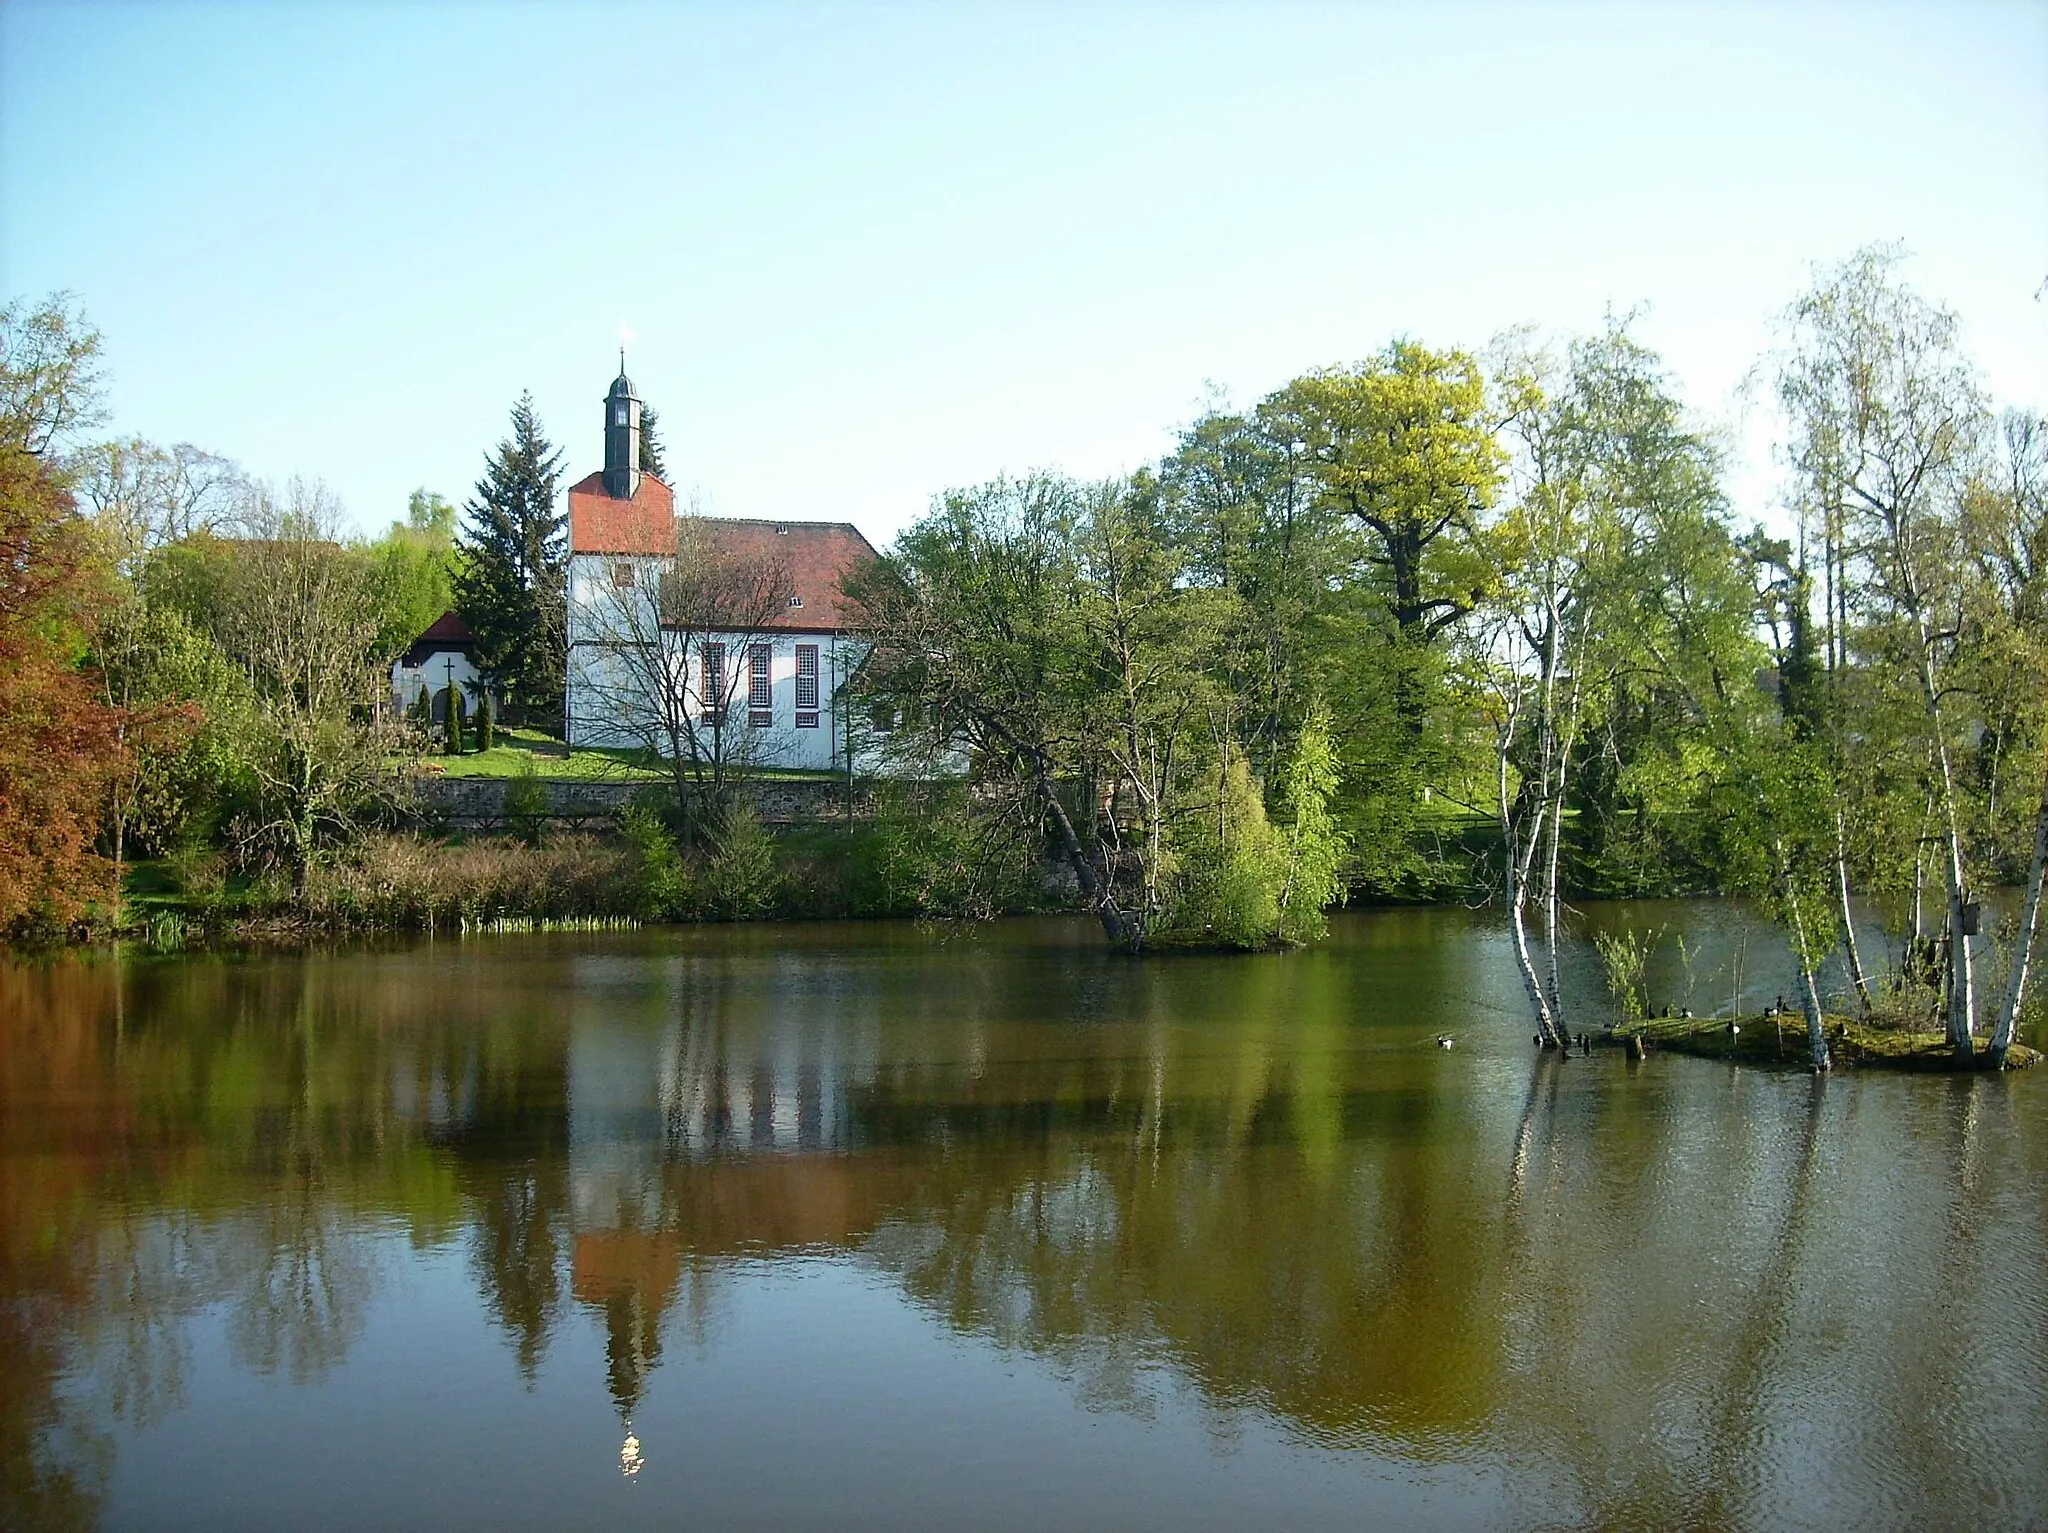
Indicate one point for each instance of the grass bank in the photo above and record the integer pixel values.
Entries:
(519, 752)
(1781, 1041)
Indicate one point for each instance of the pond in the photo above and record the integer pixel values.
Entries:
(870, 1226)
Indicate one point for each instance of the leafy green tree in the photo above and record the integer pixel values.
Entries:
(979, 656)
(416, 568)
(510, 583)
(1145, 671)
(1047, 634)
(1613, 552)
(430, 514)
(1230, 865)
(1315, 843)
(300, 612)
(1402, 445)
(1400, 452)
(50, 378)
(740, 877)
(183, 708)
(2006, 529)
(1241, 509)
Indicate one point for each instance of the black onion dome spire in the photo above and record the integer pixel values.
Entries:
(621, 436)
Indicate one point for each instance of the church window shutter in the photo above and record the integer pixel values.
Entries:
(807, 686)
(712, 687)
(760, 689)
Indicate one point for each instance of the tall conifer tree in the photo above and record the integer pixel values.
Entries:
(650, 445)
(511, 586)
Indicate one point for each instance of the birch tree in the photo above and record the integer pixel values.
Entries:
(1883, 413)
(2007, 511)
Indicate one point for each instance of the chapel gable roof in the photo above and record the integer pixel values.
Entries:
(446, 626)
(445, 635)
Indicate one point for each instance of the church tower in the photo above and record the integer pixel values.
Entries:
(621, 437)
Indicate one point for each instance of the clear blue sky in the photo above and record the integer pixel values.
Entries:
(868, 252)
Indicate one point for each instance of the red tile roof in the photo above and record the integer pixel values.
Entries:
(598, 524)
(819, 553)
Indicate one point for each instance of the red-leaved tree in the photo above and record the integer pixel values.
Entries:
(58, 742)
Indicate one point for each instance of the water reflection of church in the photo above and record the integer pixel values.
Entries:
(665, 1124)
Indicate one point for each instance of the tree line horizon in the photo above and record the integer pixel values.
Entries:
(1433, 623)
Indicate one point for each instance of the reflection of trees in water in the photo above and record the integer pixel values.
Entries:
(150, 1273)
(1627, 1296)
(231, 1135)
(54, 1459)
(511, 1153)
(1716, 1306)
(516, 1250)
(1282, 1238)
(304, 1288)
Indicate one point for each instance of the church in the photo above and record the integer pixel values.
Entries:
(721, 640)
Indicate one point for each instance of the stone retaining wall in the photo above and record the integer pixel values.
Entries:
(478, 803)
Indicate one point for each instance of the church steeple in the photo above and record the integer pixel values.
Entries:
(621, 436)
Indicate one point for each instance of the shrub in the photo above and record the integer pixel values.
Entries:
(741, 879)
(1315, 845)
(199, 872)
(454, 694)
(486, 720)
(1226, 869)
(658, 878)
(1625, 960)
(396, 882)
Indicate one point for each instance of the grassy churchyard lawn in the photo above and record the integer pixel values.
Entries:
(519, 751)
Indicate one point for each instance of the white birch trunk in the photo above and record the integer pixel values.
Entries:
(1809, 992)
(1962, 998)
(1564, 758)
(1849, 947)
(1517, 868)
(2023, 939)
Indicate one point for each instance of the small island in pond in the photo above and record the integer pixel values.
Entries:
(1781, 1040)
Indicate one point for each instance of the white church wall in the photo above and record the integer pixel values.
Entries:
(608, 708)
